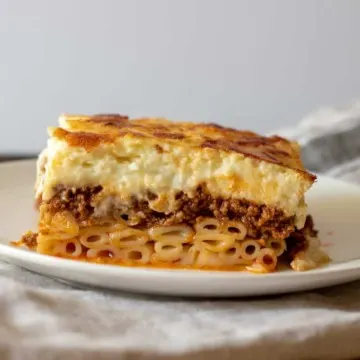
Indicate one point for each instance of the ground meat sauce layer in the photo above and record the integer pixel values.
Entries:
(260, 220)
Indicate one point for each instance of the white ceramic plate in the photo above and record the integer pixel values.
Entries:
(335, 206)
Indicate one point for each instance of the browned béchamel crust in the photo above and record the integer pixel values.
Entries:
(89, 132)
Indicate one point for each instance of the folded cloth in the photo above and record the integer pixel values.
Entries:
(41, 318)
(330, 140)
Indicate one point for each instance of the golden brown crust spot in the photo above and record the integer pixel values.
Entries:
(115, 120)
(159, 149)
(166, 135)
(82, 139)
(264, 153)
(91, 131)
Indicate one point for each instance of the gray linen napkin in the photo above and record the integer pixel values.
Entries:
(41, 318)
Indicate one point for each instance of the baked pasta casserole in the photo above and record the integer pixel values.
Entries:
(153, 192)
